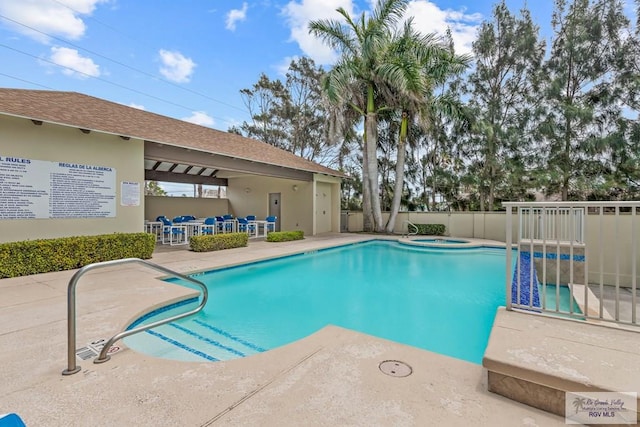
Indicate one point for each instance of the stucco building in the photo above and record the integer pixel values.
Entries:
(72, 164)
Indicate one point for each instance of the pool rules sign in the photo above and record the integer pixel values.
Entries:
(34, 189)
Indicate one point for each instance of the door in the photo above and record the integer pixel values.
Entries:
(274, 208)
(323, 207)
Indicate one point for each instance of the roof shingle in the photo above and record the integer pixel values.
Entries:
(87, 112)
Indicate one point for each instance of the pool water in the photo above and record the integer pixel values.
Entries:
(442, 300)
(550, 299)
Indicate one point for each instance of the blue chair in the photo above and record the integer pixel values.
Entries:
(173, 234)
(244, 226)
(271, 223)
(177, 219)
(228, 223)
(251, 217)
(160, 218)
(220, 224)
(186, 218)
(210, 226)
(11, 420)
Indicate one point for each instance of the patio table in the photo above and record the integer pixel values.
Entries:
(194, 228)
(154, 227)
(233, 226)
(258, 224)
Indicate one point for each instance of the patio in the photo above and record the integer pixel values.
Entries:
(329, 378)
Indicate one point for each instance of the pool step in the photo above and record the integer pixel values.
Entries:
(535, 360)
(196, 340)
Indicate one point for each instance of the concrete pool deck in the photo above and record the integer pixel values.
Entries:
(329, 378)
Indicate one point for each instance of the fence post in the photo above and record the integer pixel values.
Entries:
(508, 248)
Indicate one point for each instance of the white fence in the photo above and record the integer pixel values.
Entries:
(552, 223)
(574, 259)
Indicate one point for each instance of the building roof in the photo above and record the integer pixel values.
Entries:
(95, 114)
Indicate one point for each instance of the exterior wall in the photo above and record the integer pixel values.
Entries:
(479, 225)
(176, 206)
(49, 142)
(249, 195)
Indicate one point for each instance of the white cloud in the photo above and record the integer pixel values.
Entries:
(48, 16)
(175, 66)
(236, 15)
(428, 18)
(199, 118)
(283, 66)
(299, 14)
(138, 106)
(75, 64)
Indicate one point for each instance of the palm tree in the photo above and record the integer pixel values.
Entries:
(421, 63)
(361, 79)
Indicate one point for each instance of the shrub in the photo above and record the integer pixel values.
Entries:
(431, 229)
(285, 236)
(217, 242)
(66, 253)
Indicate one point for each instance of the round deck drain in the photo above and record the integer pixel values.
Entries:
(395, 368)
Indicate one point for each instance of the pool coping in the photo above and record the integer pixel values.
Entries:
(414, 240)
(536, 359)
(328, 378)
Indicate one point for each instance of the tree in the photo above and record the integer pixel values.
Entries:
(152, 188)
(426, 62)
(583, 95)
(362, 79)
(623, 180)
(503, 90)
(292, 115)
(265, 102)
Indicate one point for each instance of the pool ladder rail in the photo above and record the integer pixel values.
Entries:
(72, 367)
(409, 226)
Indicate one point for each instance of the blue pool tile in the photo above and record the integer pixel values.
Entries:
(554, 256)
(525, 282)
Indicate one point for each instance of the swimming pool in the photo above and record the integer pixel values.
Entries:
(442, 300)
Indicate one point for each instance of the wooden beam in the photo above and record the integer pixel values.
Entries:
(167, 153)
(183, 178)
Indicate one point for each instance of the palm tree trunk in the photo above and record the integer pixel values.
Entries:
(399, 185)
(372, 171)
(371, 145)
(491, 198)
(367, 216)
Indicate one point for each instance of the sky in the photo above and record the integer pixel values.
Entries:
(190, 59)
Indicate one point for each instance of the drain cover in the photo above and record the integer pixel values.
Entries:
(395, 368)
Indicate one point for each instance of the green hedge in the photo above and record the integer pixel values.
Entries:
(431, 229)
(284, 236)
(217, 242)
(66, 253)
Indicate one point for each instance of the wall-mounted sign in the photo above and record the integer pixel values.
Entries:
(32, 189)
(129, 193)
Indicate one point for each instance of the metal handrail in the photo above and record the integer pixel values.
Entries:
(72, 367)
(410, 224)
